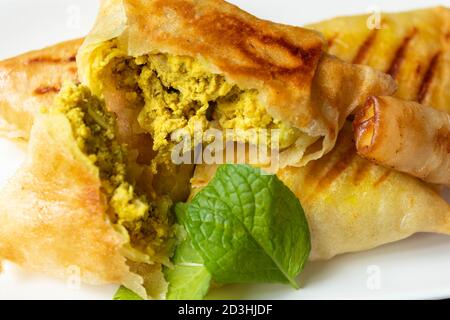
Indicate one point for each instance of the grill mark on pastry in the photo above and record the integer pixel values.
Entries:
(306, 56)
(46, 89)
(332, 39)
(400, 54)
(428, 78)
(315, 169)
(418, 70)
(383, 178)
(361, 172)
(261, 49)
(50, 60)
(365, 47)
(337, 169)
(443, 139)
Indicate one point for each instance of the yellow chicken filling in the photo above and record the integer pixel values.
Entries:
(146, 224)
(179, 92)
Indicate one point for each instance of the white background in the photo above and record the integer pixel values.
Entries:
(415, 268)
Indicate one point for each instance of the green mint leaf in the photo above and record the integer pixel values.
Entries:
(248, 227)
(181, 211)
(126, 294)
(188, 278)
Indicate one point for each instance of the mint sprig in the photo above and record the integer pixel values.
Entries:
(124, 293)
(244, 227)
(188, 278)
(249, 227)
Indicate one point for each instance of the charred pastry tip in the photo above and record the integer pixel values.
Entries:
(364, 125)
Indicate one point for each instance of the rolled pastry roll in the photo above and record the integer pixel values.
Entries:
(405, 136)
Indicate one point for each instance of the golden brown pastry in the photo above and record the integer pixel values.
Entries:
(347, 37)
(412, 46)
(31, 81)
(405, 136)
(177, 62)
(20, 188)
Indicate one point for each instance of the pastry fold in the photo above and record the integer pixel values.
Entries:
(31, 81)
(405, 136)
(297, 84)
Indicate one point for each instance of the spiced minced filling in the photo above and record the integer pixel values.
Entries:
(146, 223)
(178, 92)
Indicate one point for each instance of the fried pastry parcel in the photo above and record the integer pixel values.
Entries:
(175, 63)
(82, 200)
(86, 197)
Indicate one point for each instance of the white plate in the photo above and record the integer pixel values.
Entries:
(414, 268)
